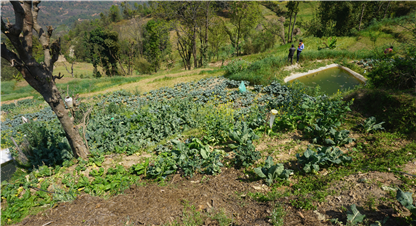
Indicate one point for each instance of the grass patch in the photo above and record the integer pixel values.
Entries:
(396, 109)
(191, 216)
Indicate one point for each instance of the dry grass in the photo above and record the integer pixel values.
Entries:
(149, 84)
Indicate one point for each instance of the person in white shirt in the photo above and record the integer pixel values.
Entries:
(299, 50)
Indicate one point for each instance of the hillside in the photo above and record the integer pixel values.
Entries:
(62, 14)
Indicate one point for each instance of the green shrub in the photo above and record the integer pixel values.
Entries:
(142, 66)
(396, 109)
(395, 72)
(47, 143)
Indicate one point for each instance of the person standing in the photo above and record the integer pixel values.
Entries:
(388, 50)
(291, 53)
(300, 48)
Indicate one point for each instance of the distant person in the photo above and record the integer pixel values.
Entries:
(388, 50)
(291, 53)
(300, 48)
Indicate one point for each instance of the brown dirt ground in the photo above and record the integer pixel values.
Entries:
(369, 192)
(154, 205)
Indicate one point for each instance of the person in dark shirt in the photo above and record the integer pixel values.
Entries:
(291, 53)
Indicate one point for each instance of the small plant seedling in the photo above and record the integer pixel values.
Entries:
(370, 125)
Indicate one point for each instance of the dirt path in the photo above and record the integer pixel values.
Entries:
(12, 101)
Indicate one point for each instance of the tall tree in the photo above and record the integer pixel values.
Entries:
(361, 17)
(127, 10)
(276, 27)
(244, 17)
(217, 34)
(186, 20)
(156, 39)
(39, 75)
(104, 48)
(293, 9)
(205, 22)
(114, 14)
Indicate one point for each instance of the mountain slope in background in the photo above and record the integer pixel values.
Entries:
(62, 14)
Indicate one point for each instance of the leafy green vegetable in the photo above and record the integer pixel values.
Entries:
(97, 173)
(354, 216)
(272, 172)
(405, 198)
(370, 125)
(339, 138)
(325, 156)
(245, 151)
(140, 168)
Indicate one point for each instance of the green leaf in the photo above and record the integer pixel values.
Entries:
(405, 198)
(204, 154)
(259, 172)
(276, 170)
(354, 216)
(269, 162)
(329, 142)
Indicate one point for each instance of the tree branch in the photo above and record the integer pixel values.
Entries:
(43, 37)
(57, 77)
(13, 31)
(19, 15)
(27, 27)
(10, 56)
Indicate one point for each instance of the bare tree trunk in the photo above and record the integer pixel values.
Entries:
(294, 22)
(385, 11)
(39, 76)
(194, 48)
(238, 37)
(72, 69)
(379, 8)
(288, 32)
(282, 35)
(361, 17)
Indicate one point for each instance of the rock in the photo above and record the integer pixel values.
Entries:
(320, 216)
(387, 188)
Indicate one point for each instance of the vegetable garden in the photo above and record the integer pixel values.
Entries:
(201, 129)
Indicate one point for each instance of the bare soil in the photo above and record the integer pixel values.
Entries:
(153, 204)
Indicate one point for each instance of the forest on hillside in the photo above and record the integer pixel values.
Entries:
(63, 14)
(151, 36)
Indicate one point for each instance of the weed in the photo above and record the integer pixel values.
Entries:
(278, 215)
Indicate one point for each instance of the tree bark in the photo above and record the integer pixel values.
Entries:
(238, 37)
(361, 17)
(39, 76)
(294, 22)
(194, 48)
(288, 32)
